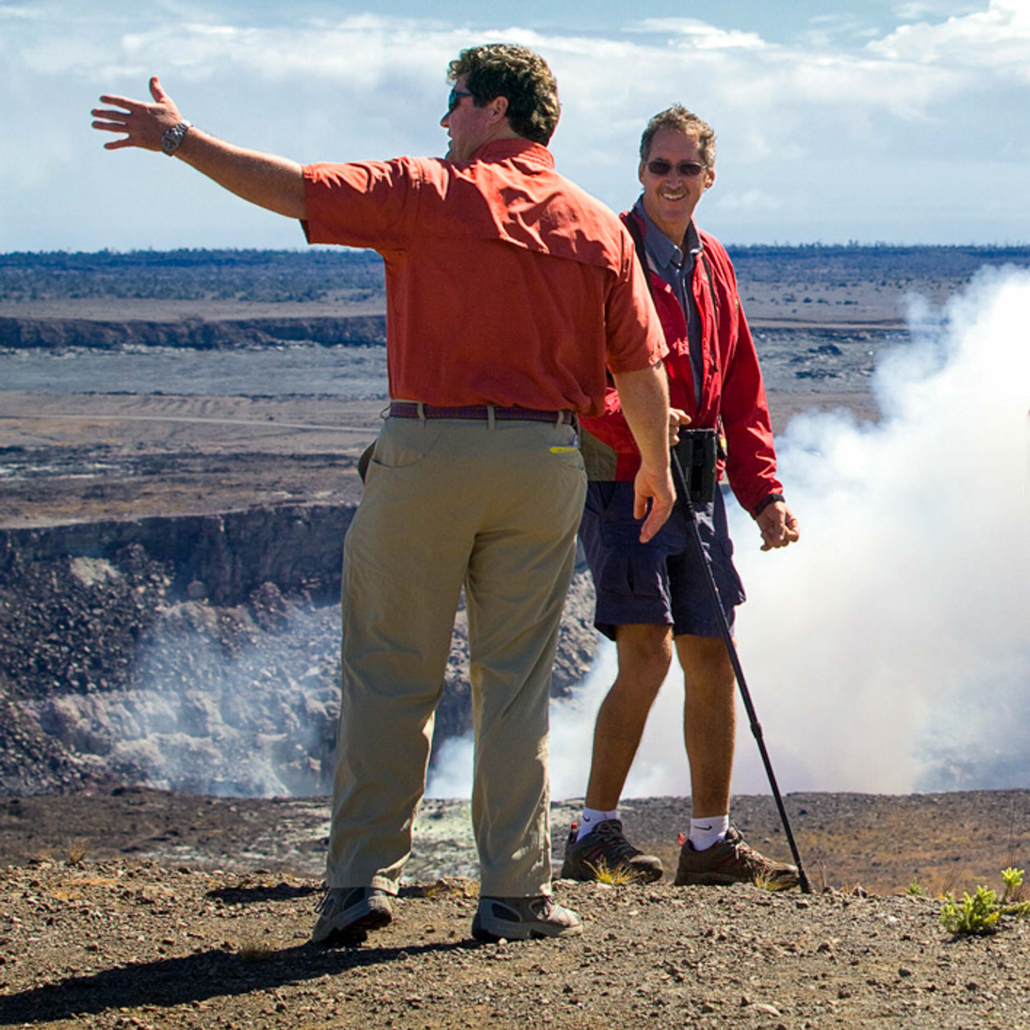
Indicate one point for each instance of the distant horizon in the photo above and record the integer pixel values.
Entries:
(852, 245)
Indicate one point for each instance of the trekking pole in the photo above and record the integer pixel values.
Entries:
(727, 636)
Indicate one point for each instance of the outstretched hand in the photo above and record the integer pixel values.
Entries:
(143, 124)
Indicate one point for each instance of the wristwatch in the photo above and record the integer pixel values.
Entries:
(173, 137)
(765, 502)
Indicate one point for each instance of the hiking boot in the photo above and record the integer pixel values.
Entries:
(348, 913)
(605, 850)
(732, 861)
(520, 919)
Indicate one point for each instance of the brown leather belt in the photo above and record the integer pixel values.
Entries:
(480, 412)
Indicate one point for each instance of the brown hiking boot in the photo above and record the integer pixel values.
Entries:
(605, 849)
(732, 861)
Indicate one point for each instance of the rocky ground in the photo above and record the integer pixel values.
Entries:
(92, 938)
(107, 677)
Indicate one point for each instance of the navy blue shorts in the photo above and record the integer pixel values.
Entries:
(660, 582)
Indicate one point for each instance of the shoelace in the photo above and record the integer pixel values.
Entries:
(746, 854)
(609, 834)
(543, 908)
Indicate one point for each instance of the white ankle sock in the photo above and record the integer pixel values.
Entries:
(708, 831)
(591, 817)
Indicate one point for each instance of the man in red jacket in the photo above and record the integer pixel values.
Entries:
(651, 597)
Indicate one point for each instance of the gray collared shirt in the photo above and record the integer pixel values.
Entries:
(676, 267)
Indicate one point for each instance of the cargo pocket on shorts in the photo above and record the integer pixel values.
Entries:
(620, 574)
(731, 589)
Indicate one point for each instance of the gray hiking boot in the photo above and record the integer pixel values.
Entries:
(605, 850)
(521, 919)
(346, 914)
(733, 861)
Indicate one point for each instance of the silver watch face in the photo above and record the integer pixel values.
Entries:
(173, 137)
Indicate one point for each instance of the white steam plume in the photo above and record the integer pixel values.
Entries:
(888, 651)
(257, 720)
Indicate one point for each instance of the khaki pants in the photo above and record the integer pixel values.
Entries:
(446, 504)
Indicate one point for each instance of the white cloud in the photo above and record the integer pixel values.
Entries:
(361, 50)
(888, 650)
(915, 10)
(747, 201)
(828, 30)
(20, 13)
(997, 39)
(701, 34)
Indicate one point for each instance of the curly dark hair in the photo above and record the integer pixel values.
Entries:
(515, 72)
(680, 119)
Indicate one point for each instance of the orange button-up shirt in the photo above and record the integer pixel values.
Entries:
(506, 284)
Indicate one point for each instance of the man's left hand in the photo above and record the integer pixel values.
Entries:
(777, 525)
(144, 124)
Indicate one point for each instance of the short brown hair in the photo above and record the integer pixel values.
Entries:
(515, 72)
(680, 119)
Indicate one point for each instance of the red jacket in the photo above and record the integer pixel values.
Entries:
(732, 386)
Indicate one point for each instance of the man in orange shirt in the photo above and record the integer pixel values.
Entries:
(509, 294)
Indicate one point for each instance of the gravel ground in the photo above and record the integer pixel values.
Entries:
(144, 908)
(116, 944)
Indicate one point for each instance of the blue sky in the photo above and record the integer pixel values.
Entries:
(896, 120)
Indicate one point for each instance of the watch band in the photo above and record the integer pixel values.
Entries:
(173, 137)
(765, 502)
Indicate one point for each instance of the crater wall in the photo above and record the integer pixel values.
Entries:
(195, 653)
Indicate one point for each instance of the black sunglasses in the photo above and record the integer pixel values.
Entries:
(455, 98)
(688, 169)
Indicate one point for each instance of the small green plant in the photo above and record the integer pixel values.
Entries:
(768, 883)
(978, 914)
(614, 876)
(915, 889)
(1013, 902)
(1013, 880)
(981, 912)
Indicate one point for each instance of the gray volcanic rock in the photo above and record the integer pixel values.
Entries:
(223, 557)
(122, 669)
